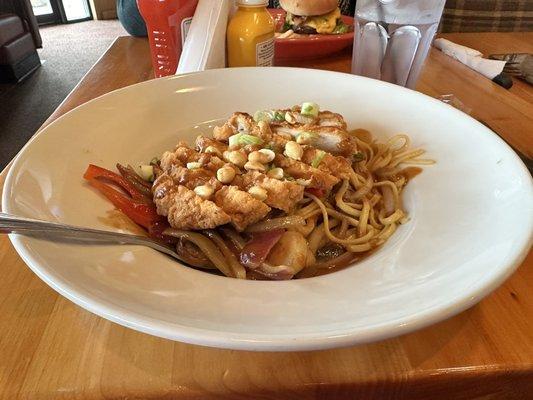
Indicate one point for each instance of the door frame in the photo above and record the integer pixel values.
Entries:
(58, 15)
(52, 18)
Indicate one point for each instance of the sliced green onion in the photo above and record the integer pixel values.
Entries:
(318, 158)
(358, 156)
(310, 109)
(279, 116)
(245, 139)
(269, 116)
(263, 116)
(146, 172)
(242, 139)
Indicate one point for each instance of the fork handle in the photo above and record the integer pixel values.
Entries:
(15, 224)
(54, 231)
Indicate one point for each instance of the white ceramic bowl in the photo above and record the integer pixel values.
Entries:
(471, 216)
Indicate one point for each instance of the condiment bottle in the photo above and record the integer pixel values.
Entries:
(167, 22)
(250, 35)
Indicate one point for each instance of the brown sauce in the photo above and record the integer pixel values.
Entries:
(342, 265)
(410, 172)
(312, 271)
(116, 219)
(362, 134)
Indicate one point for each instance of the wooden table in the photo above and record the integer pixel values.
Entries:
(52, 349)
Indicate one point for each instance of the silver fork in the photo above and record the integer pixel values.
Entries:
(56, 232)
(517, 64)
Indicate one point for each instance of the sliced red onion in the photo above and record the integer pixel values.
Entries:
(255, 252)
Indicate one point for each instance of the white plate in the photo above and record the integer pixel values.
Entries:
(471, 216)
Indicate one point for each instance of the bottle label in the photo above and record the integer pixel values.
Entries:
(185, 25)
(264, 53)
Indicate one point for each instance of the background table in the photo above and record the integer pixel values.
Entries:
(52, 349)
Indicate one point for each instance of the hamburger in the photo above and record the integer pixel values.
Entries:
(313, 16)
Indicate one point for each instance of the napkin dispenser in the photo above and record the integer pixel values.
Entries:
(205, 46)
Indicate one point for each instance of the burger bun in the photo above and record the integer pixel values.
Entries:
(309, 7)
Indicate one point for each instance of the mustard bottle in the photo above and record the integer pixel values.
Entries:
(250, 35)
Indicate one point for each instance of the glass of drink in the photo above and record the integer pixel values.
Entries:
(392, 38)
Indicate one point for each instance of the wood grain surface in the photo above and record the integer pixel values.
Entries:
(53, 349)
(508, 112)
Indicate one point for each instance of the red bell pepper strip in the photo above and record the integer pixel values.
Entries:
(138, 211)
(156, 231)
(138, 207)
(142, 186)
(95, 172)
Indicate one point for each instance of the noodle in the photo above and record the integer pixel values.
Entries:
(291, 221)
(338, 215)
(363, 219)
(358, 207)
(308, 210)
(343, 229)
(367, 206)
(326, 223)
(237, 240)
(317, 238)
(387, 232)
(206, 245)
(238, 270)
(306, 229)
(348, 206)
(363, 190)
(404, 146)
(394, 217)
(340, 202)
(361, 213)
(359, 248)
(196, 259)
(372, 218)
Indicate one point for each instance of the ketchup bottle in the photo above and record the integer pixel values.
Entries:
(167, 22)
